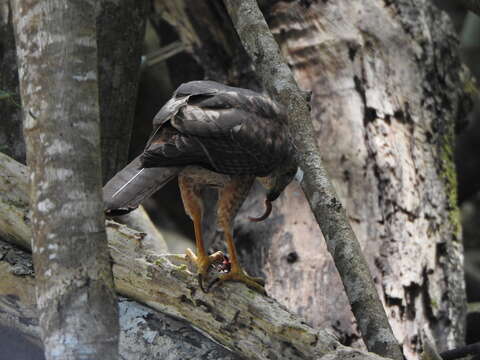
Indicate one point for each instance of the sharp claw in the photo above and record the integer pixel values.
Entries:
(200, 283)
(217, 261)
(256, 284)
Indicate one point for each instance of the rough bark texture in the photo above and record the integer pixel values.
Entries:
(121, 28)
(57, 57)
(144, 333)
(140, 221)
(327, 209)
(250, 324)
(11, 133)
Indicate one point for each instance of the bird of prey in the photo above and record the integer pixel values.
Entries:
(210, 134)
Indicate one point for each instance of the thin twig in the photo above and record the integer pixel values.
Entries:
(163, 54)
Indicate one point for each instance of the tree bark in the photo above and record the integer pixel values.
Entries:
(57, 57)
(248, 323)
(140, 221)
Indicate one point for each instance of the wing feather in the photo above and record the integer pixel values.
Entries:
(229, 130)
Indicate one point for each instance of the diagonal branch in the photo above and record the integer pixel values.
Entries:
(250, 324)
(328, 210)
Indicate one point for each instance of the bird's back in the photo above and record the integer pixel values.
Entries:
(226, 129)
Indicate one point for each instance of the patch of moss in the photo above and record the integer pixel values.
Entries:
(181, 267)
(160, 260)
(449, 174)
(470, 88)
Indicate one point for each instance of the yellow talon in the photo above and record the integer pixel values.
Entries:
(239, 275)
(203, 264)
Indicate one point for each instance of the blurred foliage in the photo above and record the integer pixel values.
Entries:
(11, 97)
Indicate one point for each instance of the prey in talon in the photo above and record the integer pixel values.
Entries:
(204, 266)
(217, 136)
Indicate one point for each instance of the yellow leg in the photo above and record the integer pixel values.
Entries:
(230, 199)
(236, 272)
(194, 208)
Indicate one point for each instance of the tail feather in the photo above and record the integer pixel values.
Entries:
(133, 184)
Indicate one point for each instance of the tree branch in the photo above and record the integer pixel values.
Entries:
(250, 324)
(143, 332)
(328, 210)
(162, 54)
(140, 221)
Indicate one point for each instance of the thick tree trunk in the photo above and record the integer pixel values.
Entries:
(57, 56)
(386, 95)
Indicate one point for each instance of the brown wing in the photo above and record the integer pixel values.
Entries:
(226, 129)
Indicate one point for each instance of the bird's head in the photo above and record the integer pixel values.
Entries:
(278, 181)
(275, 183)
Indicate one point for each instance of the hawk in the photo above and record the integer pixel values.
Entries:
(210, 134)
